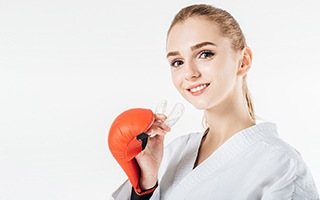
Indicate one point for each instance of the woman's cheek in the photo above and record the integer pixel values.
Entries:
(175, 79)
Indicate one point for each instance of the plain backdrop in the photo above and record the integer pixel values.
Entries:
(69, 67)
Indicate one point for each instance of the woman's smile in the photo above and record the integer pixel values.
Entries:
(198, 89)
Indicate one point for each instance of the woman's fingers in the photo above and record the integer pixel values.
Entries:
(158, 127)
(162, 126)
(158, 130)
(161, 117)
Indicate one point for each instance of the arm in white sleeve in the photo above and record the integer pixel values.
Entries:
(123, 192)
(296, 182)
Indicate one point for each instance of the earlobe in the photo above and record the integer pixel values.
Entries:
(246, 62)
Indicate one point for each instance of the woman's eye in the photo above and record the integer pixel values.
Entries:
(206, 54)
(176, 63)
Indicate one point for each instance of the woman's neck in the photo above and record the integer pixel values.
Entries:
(226, 120)
(223, 123)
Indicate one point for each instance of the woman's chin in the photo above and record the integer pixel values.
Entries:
(200, 105)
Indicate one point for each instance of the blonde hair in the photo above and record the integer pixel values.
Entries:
(228, 27)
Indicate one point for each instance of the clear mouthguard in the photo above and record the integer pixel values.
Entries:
(174, 115)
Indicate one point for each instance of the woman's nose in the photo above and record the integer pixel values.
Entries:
(191, 71)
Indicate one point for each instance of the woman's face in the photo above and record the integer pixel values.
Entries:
(203, 64)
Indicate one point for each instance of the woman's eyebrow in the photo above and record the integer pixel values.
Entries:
(173, 53)
(194, 47)
(198, 46)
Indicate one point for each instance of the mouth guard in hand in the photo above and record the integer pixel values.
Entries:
(174, 115)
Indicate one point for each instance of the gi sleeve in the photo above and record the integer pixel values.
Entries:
(123, 192)
(126, 192)
(296, 182)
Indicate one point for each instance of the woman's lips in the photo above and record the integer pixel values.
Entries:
(198, 89)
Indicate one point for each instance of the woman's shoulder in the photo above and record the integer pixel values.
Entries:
(265, 135)
(279, 147)
(280, 159)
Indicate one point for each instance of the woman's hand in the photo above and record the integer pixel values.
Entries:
(150, 158)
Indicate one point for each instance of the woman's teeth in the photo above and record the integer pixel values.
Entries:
(198, 88)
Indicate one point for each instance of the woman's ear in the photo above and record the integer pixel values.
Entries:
(246, 62)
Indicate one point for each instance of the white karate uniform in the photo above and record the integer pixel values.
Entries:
(253, 164)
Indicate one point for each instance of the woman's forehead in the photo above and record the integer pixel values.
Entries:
(193, 31)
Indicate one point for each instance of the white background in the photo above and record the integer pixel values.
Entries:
(69, 67)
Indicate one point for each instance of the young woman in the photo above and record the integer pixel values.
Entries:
(235, 158)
